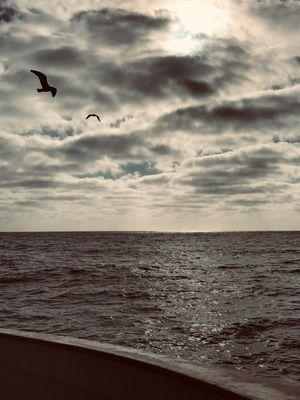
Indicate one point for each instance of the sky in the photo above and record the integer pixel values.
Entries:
(199, 103)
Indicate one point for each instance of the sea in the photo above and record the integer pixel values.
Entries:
(219, 299)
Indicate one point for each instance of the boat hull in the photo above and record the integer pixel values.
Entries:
(39, 366)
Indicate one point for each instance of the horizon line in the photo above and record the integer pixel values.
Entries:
(154, 231)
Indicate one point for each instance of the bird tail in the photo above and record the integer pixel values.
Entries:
(53, 91)
(39, 90)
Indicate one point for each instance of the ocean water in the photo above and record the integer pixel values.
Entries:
(226, 299)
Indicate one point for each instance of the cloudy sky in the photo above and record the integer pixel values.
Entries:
(200, 109)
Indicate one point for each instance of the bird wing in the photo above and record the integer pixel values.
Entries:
(98, 118)
(92, 115)
(42, 77)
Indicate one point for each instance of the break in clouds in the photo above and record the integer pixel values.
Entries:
(199, 110)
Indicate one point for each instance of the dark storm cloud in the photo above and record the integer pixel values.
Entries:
(217, 189)
(233, 174)
(220, 65)
(265, 113)
(7, 13)
(32, 184)
(43, 201)
(163, 150)
(65, 56)
(249, 202)
(119, 27)
(158, 77)
(230, 61)
(48, 170)
(84, 78)
(86, 149)
(58, 197)
(260, 160)
(47, 185)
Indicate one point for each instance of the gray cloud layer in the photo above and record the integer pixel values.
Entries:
(117, 27)
(210, 130)
(257, 114)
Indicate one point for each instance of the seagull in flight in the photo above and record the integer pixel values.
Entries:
(44, 83)
(94, 115)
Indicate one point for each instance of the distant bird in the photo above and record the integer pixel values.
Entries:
(94, 115)
(44, 83)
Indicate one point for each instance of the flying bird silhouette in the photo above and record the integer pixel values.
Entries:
(44, 83)
(94, 115)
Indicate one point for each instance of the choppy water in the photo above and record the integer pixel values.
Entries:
(216, 298)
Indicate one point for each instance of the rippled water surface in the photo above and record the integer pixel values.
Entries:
(215, 298)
